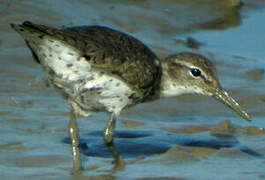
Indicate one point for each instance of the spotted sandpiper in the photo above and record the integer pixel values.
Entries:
(96, 68)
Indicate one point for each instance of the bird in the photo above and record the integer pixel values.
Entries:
(99, 69)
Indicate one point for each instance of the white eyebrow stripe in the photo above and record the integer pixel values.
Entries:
(189, 66)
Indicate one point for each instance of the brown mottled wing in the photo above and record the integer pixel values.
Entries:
(105, 48)
(118, 53)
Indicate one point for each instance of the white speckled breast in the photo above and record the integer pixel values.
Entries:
(87, 89)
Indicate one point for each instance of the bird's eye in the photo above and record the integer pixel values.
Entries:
(195, 72)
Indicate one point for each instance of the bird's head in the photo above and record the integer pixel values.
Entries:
(189, 73)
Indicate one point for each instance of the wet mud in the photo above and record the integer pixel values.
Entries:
(182, 138)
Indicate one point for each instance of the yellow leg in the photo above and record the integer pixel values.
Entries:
(73, 134)
(108, 140)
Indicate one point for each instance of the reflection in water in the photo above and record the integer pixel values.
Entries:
(134, 144)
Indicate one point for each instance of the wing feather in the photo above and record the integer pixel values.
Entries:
(108, 49)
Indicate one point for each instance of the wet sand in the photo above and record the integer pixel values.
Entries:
(183, 138)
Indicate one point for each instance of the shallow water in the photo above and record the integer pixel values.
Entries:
(188, 137)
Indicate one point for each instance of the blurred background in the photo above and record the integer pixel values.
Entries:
(188, 137)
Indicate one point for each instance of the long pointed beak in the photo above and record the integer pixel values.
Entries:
(226, 99)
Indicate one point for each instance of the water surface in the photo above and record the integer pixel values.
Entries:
(188, 137)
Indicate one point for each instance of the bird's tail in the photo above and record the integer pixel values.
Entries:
(28, 27)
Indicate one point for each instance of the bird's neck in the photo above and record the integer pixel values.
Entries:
(169, 87)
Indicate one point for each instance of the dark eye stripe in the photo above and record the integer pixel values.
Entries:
(201, 73)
